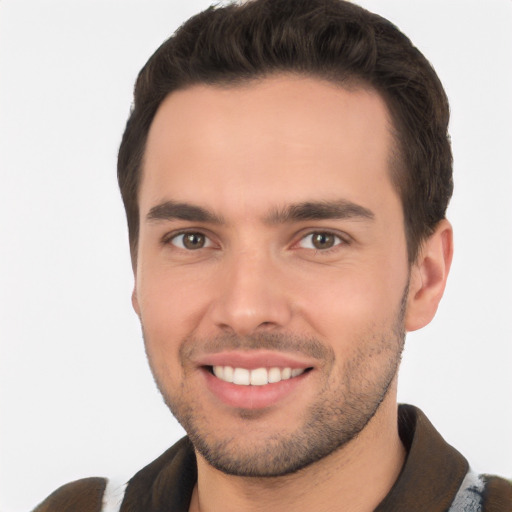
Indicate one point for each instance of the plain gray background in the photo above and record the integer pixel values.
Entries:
(76, 396)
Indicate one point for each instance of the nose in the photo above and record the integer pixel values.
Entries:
(252, 295)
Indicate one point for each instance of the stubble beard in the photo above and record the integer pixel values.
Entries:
(335, 419)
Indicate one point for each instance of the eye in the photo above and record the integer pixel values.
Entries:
(320, 240)
(190, 241)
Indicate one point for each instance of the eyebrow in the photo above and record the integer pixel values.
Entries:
(340, 209)
(172, 210)
(308, 210)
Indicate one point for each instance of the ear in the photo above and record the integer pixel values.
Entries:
(428, 277)
(135, 300)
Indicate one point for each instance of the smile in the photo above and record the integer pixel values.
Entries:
(255, 377)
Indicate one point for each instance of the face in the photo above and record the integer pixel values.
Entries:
(272, 268)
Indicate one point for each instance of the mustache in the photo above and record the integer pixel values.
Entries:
(280, 342)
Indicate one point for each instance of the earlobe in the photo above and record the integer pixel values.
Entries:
(135, 301)
(428, 277)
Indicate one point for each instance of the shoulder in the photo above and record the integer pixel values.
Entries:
(483, 493)
(85, 495)
(171, 477)
(497, 494)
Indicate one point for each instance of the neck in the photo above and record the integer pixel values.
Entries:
(355, 478)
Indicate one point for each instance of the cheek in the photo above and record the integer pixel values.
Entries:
(348, 302)
(170, 305)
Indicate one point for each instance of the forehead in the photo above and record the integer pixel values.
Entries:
(266, 140)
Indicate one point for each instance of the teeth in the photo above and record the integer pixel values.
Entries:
(219, 372)
(241, 376)
(286, 373)
(274, 375)
(228, 374)
(257, 377)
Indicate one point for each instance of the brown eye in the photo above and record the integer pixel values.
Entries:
(190, 241)
(320, 240)
(323, 240)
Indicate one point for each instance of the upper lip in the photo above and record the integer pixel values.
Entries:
(252, 359)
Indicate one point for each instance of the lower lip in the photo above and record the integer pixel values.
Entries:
(252, 397)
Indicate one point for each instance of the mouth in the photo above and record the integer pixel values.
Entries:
(255, 377)
(259, 387)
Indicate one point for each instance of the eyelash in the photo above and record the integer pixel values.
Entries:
(169, 238)
(339, 240)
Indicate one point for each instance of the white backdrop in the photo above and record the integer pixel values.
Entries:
(76, 396)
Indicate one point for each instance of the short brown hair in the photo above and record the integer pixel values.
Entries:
(330, 39)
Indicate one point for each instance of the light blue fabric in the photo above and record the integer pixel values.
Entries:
(469, 497)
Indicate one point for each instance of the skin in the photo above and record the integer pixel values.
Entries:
(259, 285)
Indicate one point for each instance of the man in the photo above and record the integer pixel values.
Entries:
(285, 171)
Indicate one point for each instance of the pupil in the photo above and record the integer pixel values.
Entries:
(193, 241)
(323, 240)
